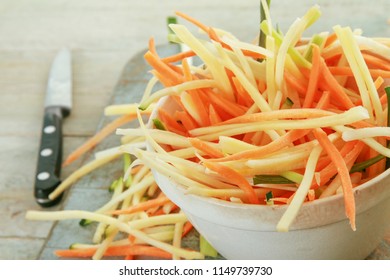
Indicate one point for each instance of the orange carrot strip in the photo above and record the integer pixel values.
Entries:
(290, 198)
(98, 137)
(152, 46)
(248, 137)
(313, 81)
(222, 113)
(324, 100)
(305, 72)
(213, 115)
(131, 239)
(383, 99)
(362, 124)
(347, 71)
(242, 96)
(375, 73)
(333, 60)
(213, 36)
(162, 211)
(331, 170)
(252, 54)
(326, 161)
(376, 61)
(187, 228)
(176, 68)
(200, 106)
(206, 148)
(273, 146)
(204, 97)
(330, 39)
(379, 167)
(178, 101)
(187, 70)
(178, 56)
(341, 71)
(294, 96)
(186, 120)
(338, 161)
(170, 123)
(330, 83)
(236, 178)
(300, 87)
(155, 208)
(163, 68)
(373, 170)
(193, 21)
(135, 250)
(163, 79)
(260, 139)
(225, 104)
(142, 206)
(281, 200)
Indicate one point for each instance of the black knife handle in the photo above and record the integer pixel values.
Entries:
(49, 157)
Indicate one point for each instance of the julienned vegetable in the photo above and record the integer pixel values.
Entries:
(293, 121)
(253, 94)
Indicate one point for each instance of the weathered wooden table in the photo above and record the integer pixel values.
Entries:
(103, 37)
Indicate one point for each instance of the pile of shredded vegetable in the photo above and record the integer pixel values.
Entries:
(293, 121)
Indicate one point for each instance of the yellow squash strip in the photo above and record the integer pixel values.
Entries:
(270, 74)
(211, 60)
(177, 90)
(365, 83)
(368, 132)
(291, 38)
(89, 167)
(162, 136)
(125, 109)
(300, 195)
(211, 133)
(372, 143)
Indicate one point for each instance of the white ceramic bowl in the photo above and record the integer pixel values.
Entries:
(320, 231)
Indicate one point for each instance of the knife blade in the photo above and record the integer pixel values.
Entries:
(58, 104)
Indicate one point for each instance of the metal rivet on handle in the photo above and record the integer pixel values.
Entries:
(49, 129)
(46, 152)
(43, 176)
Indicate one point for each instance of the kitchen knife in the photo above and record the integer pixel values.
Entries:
(58, 104)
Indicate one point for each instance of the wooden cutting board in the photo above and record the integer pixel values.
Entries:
(91, 192)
